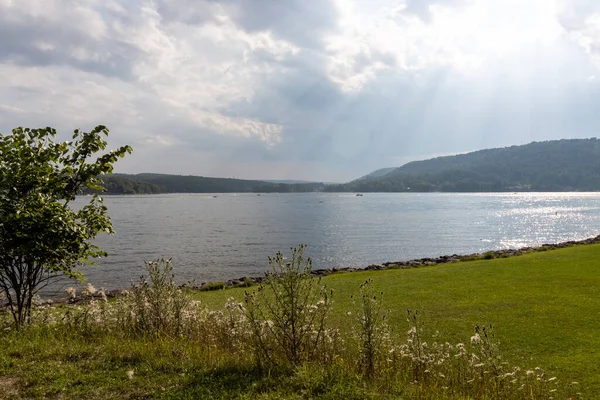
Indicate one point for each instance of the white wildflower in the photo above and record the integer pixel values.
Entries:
(103, 295)
(71, 292)
(130, 374)
(89, 290)
(476, 339)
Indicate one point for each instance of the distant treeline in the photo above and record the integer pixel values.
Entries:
(162, 183)
(559, 165)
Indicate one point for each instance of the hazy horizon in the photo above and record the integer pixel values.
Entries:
(316, 90)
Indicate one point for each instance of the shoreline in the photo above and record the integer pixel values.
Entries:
(246, 281)
(419, 262)
(414, 263)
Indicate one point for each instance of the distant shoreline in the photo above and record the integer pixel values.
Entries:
(347, 192)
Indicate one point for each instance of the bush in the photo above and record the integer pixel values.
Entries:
(372, 329)
(41, 237)
(287, 313)
(157, 306)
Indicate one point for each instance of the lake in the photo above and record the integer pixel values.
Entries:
(231, 235)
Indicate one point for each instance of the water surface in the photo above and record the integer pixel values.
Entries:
(231, 235)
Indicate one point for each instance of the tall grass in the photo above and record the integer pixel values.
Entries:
(287, 314)
(280, 339)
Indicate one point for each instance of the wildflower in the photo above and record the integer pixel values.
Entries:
(71, 292)
(552, 379)
(476, 339)
(529, 372)
(130, 374)
(89, 290)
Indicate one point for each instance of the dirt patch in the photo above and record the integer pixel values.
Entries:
(8, 387)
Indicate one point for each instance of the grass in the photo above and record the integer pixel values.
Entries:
(544, 307)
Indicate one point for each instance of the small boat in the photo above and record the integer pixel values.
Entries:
(359, 194)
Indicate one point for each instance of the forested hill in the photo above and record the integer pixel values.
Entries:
(162, 183)
(376, 174)
(559, 165)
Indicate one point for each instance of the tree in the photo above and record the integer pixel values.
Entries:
(41, 236)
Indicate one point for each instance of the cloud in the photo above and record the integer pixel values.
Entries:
(423, 8)
(581, 20)
(302, 22)
(45, 33)
(301, 89)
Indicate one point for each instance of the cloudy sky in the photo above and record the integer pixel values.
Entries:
(301, 89)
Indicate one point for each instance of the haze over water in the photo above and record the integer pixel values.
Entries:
(232, 235)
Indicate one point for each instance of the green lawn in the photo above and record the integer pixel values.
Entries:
(544, 307)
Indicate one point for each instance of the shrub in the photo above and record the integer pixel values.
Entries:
(372, 329)
(287, 313)
(41, 237)
(157, 306)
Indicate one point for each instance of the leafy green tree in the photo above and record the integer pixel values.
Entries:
(41, 236)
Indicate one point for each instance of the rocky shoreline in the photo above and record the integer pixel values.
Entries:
(416, 263)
